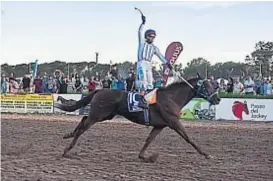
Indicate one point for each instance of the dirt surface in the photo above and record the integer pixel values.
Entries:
(31, 150)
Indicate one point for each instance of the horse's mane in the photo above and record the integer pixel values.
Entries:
(179, 83)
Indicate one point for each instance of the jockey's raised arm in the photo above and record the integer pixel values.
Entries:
(140, 34)
(140, 39)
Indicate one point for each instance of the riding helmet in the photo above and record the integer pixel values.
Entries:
(150, 32)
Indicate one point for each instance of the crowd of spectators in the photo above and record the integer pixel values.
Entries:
(61, 84)
(248, 86)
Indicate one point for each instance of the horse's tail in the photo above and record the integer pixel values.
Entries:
(78, 104)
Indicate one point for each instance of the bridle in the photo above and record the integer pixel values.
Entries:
(200, 89)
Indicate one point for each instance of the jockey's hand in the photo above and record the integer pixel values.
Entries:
(143, 19)
(169, 65)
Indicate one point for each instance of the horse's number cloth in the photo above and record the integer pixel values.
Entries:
(133, 100)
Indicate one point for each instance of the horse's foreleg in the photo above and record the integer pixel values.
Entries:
(171, 117)
(178, 127)
(83, 126)
(72, 134)
(155, 131)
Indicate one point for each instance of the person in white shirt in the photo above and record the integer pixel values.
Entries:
(249, 85)
(176, 74)
(238, 87)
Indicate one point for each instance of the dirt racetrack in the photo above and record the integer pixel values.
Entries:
(31, 150)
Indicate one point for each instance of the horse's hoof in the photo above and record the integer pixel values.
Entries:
(209, 157)
(65, 155)
(68, 136)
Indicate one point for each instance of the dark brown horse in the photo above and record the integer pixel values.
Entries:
(106, 103)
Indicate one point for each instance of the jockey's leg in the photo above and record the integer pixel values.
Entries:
(143, 103)
(150, 85)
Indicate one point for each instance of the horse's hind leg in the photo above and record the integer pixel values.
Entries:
(72, 134)
(82, 127)
(96, 114)
(155, 131)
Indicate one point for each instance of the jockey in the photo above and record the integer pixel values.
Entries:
(146, 50)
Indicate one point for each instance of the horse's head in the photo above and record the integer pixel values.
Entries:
(245, 108)
(206, 91)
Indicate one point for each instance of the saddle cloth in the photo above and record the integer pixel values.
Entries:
(134, 98)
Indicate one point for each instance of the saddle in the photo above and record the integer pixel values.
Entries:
(151, 97)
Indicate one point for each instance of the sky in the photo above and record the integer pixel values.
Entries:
(74, 31)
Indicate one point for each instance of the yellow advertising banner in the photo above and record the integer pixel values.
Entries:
(26, 103)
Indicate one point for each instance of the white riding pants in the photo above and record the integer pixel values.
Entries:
(145, 74)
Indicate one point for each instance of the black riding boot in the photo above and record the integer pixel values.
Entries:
(143, 103)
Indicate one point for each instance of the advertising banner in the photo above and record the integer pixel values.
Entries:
(198, 108)
(245, 109)
(28, 103)
(75, 97)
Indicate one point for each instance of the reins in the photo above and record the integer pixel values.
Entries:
(196, 89)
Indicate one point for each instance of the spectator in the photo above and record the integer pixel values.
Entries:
(14, 86)
(132, 71)
(44, 83)
(249, 85)
(61, 85)
(214, 83)
(121, 83)
(259, 86)
(114, 72)
(85, 85)
(38, 85)
(176, 74)
(267, 87)
(73, 80)
(12, 75)
(222, 86)
(91, 84)
(230, 85)
(114, 83)
(78, 85)
(98, 83)
(106, 83)
(26, 83)
(31, 85)
(130, 82)
(51, 84)
(4, 84)
(238, 87)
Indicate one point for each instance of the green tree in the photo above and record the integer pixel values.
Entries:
(261, 59)
(200, 65)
